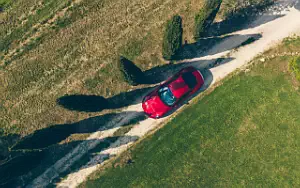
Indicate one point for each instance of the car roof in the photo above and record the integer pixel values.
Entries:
(189, 79)
(178, 87)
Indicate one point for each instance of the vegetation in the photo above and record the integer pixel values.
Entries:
(244, 133)
(294, 67)
(4, 4)
(132, 74)
(53, 48)
(46, 61)
(68, 55)
(205, 17)
(172, 40)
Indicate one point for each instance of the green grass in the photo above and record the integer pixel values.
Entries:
(68, 55)
(4, 3)
(294, 66)
(245, 133)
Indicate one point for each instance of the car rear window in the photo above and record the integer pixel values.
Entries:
(189, 79)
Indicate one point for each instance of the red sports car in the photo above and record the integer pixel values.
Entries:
(173, 91)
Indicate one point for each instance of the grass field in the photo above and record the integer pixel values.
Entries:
(244, 134)
(50, 48)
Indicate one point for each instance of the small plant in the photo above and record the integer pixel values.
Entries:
(205, 17)
(294, 67)
(132, 74)
(172, 40)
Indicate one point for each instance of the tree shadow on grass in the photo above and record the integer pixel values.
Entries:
(94, 103)
(57, 133)
(15, 172)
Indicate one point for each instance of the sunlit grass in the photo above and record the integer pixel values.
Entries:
(245, 133)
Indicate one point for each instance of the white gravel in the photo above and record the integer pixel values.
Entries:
(272, 32)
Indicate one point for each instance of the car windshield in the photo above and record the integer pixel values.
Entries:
(166, 96)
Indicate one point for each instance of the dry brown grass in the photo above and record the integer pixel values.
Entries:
(65, 59)
(86, 49)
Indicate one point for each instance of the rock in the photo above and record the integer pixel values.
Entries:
(262, 60)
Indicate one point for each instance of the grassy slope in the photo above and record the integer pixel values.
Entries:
(245, 133)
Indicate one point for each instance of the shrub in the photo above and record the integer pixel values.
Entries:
(294, 67)
(172, 40)
(205, 17)
(132, 74)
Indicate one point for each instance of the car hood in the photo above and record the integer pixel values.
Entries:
(154, 107)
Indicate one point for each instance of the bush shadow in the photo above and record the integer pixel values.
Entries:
(202, 46)
(297, 5)
(6, 141)
(86, 161)
(243, 19)
(94, 103)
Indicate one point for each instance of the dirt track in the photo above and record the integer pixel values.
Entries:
(268, 29)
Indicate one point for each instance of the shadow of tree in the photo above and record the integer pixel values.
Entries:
(6, 142)
(241, 18)
(196, 49)
(297, 5)
(57, 133)
(37, 161)
(87, 103)
(93, 103)
(86, 162)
